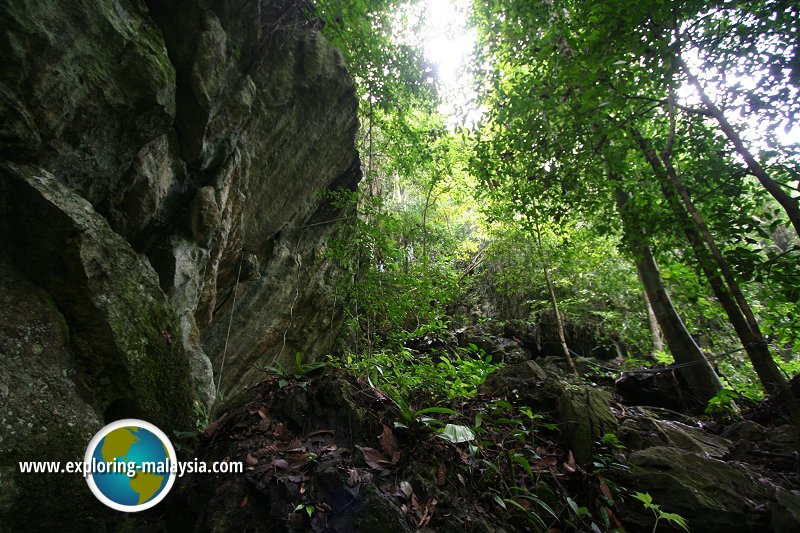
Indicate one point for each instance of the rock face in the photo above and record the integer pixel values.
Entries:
(710, 494)
(120, 325)
(586, 416)
(161, 228)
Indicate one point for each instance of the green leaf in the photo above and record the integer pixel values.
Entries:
(520, 460)
(572, 505)
(645, 498)
(457, 433)
(540, 503)
(499, 501)
(579, 511)
(677, 519)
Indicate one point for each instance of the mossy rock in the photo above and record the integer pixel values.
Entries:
(378, 514)
(125, 338)
(710, 494)
(585, 416)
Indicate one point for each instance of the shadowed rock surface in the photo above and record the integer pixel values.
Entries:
(162, 160)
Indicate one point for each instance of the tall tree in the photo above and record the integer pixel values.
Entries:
(695, 369)
(567, 79)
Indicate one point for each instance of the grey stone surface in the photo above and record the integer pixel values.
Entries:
(120, 327)
(585, 415)
(710, 494)
(206, 147)
(163, 160)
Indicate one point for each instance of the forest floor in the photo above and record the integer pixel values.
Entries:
(534, 450)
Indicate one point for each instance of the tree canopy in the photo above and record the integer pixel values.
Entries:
(630, 157)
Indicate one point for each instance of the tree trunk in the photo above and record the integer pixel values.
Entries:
(697, 373)
(434, 181)
(752, 340)
(562, 337)
(655, 330)
(789, 204)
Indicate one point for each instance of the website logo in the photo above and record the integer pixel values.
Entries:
(130, 465)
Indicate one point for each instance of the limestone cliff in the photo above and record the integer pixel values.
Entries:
(161, 225)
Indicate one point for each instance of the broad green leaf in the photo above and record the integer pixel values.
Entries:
(456, 433)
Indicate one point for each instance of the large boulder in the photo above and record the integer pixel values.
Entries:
(527, 383)
(44, 414)
(160, 201)
(266, 117)
(86, 86)
(585, 415)
(710, 494)
(204, 133)
(87, 337)
(121, 327)
(642, 428)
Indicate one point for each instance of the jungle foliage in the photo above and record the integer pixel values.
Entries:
(608, 130)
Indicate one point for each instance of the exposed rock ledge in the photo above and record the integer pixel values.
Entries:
(162, 159)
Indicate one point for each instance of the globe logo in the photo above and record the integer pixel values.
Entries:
(130, 465)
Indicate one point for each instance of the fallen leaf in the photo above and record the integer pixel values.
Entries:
(374, 458)
(283, 464)
(320, 432)
(250, 460)
(212, 427)
(606, 492)
(295, 442)
(604, 489)
(388, 441)
(427, 513)
(441, 475)
(300, 460)
(243, 503)
(353, 477)
(545, 463)
(570, 465)
(299, 449)
(415, 504)
(406, 488)
(263, 413)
